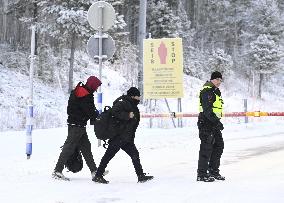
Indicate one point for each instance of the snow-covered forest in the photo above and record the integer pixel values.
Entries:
(242, 39)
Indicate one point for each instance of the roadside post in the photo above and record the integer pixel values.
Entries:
(101, 47)
(30, 108)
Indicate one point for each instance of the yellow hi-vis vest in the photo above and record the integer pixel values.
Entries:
(217, 105)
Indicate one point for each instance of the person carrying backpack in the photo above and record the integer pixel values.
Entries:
(126, 111)
(80, 109)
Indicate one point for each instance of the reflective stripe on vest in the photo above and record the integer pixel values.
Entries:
(217, 105)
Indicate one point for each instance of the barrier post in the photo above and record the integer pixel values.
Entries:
(246, 109)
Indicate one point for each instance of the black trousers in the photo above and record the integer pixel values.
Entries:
(211, 150)
(114, 146)
(77, 137)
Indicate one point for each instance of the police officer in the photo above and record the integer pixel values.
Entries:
(210, 127)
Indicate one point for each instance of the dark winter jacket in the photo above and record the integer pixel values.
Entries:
(207, 97)
(81, 106)
(122, 106)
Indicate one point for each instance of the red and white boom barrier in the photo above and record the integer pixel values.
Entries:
(232, 114)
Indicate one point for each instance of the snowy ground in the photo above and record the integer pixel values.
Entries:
(252, 163)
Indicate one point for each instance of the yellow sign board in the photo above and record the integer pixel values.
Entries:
(163, 68)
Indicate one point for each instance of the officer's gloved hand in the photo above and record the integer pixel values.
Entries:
(200, 123)
(219, 126)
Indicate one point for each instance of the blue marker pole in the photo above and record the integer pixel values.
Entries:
(29, 130)
(30, 110)
(100, 106)
(100, 101)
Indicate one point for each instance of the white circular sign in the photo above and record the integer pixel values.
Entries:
(101, 15)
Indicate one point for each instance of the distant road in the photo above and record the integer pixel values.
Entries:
(256, 145)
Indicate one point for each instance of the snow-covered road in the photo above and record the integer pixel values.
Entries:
(252, 163)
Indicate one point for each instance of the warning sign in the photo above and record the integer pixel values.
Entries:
(163, 68)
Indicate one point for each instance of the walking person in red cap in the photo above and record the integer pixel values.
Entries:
(80, 109)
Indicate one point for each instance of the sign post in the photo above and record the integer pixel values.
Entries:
(101, 17)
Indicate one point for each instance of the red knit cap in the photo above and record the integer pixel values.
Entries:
(93, 83)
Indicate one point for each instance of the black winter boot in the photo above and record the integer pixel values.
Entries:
(93, 174)
(59, 176)
(100, 179)
(215, 174)
(143, 178)
(205, 178)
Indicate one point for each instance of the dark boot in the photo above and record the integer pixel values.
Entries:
(143, 178)
(215, 174)
(205, 178)
(93, 174)
(100, 179)
(59, 176)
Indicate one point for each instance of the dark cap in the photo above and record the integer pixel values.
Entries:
(133, 91)
(216, 75)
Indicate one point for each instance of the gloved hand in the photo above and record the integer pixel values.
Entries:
(200, 123)
(219, 126)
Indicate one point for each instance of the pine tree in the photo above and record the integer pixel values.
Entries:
(186, 33)
(131, 13)
(220, 61)
(264, 56)
(66, 21)
(263, 17)
(197, 63)
(161, 21)
(24, 13)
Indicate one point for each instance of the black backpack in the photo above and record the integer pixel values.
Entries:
(106, 125)
(75, 162)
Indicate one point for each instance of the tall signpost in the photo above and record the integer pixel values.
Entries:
(141, 37)
(101, 17)
(30, 109)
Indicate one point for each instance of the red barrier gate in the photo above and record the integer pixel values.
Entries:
(232, 114)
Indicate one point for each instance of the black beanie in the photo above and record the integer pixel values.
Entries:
(216, 75)
(133, 91)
